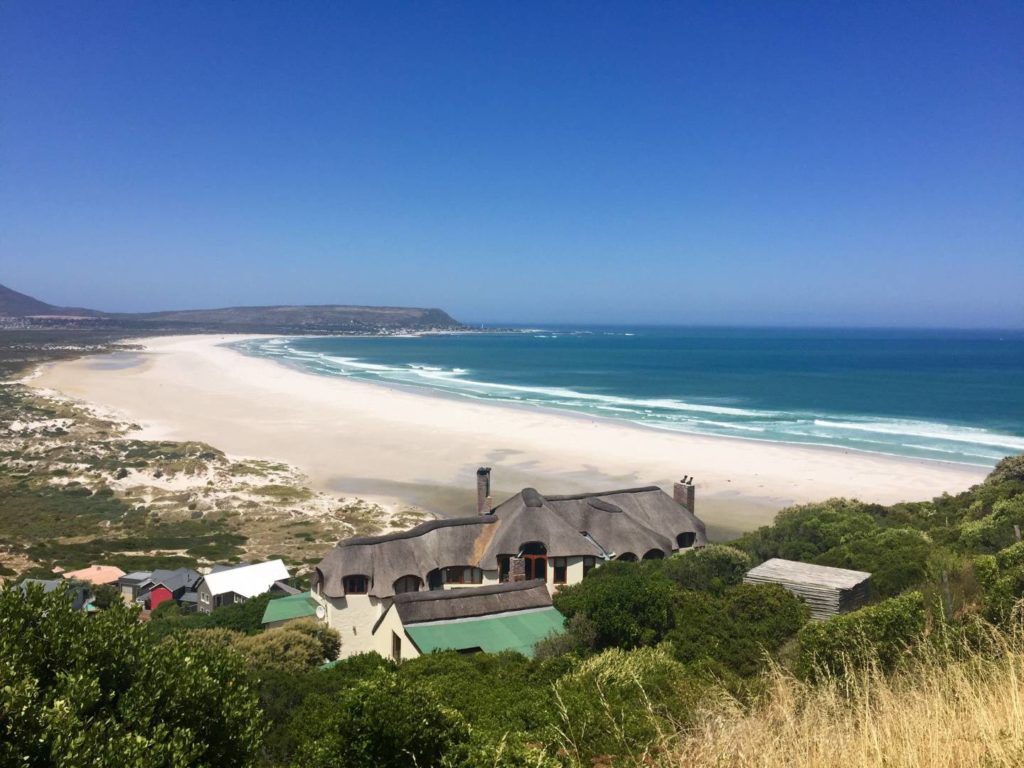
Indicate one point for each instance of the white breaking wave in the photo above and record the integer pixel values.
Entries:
(931, 430)
(889, 435)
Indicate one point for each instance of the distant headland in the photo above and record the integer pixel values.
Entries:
(19, 311)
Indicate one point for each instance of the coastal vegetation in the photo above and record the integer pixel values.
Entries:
(78, 487)
(664, 662)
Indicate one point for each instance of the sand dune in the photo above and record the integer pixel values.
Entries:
(385, 443)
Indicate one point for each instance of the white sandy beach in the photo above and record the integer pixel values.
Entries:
(388, 444)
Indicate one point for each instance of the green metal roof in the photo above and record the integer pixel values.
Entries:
(518, 631)
(292, 607)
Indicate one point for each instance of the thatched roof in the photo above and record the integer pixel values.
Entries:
(447, 604)
(605, 524)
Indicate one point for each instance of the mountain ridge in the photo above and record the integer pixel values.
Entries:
(272, 318)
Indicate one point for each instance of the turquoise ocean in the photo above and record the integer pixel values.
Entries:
(942, 395)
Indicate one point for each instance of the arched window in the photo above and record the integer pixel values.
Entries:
(408, 584)
(536, 556)
(435, 580)
(654, 554)
(627, 557)
(355, 585)
(685, 540)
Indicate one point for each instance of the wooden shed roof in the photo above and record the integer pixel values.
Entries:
(795, 572)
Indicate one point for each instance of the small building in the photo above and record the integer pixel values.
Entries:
(133, 584)
(96, 574)
(236, 585)
(282, 610)
(77, 592)
(826, 590)
(514, 616)
(167, 585)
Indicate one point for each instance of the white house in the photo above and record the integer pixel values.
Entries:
(236, 585)
(553, 539)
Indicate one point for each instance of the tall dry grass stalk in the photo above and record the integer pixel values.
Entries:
(947, 709)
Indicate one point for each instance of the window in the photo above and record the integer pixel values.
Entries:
(355, 585)
(685, 540)
(627, 557)
(204, 598)
(589, 564)
(462, 574)
(535, 557)
(654, 554)
(408, 584)
(560, 570)
(396, 647)
(503, 567)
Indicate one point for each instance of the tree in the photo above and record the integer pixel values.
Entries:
(101, 691)
(106, 596)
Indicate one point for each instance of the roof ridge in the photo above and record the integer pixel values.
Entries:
(576, 496)
(419, 530)
(454, 594)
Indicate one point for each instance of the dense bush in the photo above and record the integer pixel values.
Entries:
(244, 617)
(896, 558)
(628, 604)
(98, 690)
(1002, 580)
(732, 633)
(381, 722)
(880, 634)
(711, 568)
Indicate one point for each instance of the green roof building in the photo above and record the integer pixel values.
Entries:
(503, 617)
(285, 609)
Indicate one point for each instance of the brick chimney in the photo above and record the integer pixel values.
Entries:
(683, 493)
(483, 491)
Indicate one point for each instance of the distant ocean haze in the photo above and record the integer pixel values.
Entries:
(942, 395)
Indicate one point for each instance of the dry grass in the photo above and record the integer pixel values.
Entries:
(941, 712)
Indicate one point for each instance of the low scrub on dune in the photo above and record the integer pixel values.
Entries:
(947, 708)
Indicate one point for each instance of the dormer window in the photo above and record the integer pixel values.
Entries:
(355, 585)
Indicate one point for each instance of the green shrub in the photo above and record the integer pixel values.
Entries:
(79, 689)
(896, 558)
(711, 568)
(382, 722)
(733, 633)
(629, 605)
(880, 634)
(1002, 581)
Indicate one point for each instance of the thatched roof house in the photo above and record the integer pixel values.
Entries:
(630, 524)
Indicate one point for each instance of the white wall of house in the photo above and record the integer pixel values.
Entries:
(384, 638)
(353, 616)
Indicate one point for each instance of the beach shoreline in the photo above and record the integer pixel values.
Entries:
(391, 444)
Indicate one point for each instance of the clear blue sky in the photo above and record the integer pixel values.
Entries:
(855, 163)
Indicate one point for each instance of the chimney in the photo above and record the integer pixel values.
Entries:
(683, 493)
(483, 491)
